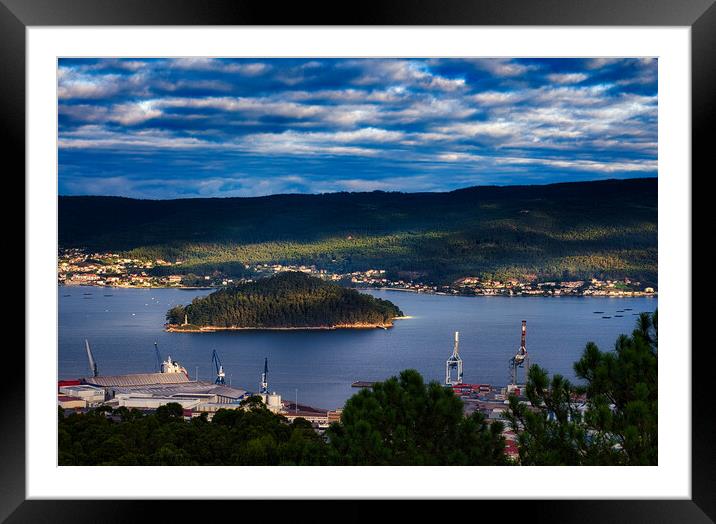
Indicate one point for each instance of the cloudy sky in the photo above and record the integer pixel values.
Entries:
(195, 127)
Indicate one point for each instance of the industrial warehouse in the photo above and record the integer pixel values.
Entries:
(172, 384)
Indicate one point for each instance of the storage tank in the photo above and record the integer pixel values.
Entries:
(273, 402)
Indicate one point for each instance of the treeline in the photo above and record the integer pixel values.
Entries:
(617, 422)
(602, 229)
(242, 437)
(290, 299)
(402, 422)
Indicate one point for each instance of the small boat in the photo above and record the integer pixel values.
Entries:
(627, 309)
(66, 295)
(86, 293)
(599, 312)
(606, 317)
(109, 295)
(618, 316)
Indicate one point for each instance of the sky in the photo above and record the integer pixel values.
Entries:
(205, 127)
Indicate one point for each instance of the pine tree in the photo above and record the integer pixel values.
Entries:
(609, 420)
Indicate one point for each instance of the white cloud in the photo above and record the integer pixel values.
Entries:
(130, 114)
(597, 63)
(492, 98)
(219, 65)
(74, 85)
(567, 78)
(502, 66)
(499, 128)
(403, 73)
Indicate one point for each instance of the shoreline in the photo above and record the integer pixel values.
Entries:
(173, 328)
(188, 288)
(636, 294)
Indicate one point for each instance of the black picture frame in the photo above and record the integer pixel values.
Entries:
(699, 15)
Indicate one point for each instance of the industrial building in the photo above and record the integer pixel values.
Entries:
(169, 384)
(90, 394)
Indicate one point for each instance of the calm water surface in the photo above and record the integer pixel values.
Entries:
(321, 365)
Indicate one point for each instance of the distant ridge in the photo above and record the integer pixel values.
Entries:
(563, 230)
(487, 187)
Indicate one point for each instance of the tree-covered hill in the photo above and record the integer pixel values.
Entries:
(573, 230)
(290, 299)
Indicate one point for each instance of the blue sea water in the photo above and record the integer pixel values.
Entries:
(319, 366)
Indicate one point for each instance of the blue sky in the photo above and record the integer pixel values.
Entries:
(201, 127)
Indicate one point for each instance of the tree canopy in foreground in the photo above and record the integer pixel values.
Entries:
(403, 422)
(610, 420)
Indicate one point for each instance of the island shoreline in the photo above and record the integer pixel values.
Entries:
(173, 328)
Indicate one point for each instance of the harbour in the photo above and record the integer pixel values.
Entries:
(318, 368)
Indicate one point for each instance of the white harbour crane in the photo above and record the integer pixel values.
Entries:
(454, 363)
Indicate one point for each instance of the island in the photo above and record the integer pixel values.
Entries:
(289, 300)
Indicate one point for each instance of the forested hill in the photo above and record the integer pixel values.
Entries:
(290, 299)
(605, 228)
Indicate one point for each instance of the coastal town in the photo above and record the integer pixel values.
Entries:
(79, 267)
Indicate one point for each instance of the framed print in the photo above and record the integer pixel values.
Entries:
(375, 257)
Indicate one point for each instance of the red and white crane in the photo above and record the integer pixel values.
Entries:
(521, 358)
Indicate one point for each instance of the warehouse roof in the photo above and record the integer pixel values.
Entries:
(184, 389)
(137, 379)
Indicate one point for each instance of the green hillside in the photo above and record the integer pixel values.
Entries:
(290, 299)
(605, 229)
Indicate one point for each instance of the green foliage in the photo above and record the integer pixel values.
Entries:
(289, 299)
(605, 229)
(404, 421)
(619, 423)
(252, 436)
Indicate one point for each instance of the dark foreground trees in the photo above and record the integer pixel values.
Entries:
(252, 436)
(610, 420)
(404, 421)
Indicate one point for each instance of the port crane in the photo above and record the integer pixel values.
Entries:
(168, 365)
(90, 357)
(454, 362)
(264, 378)
(158, 357)
(521, 358)
(220, 375)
